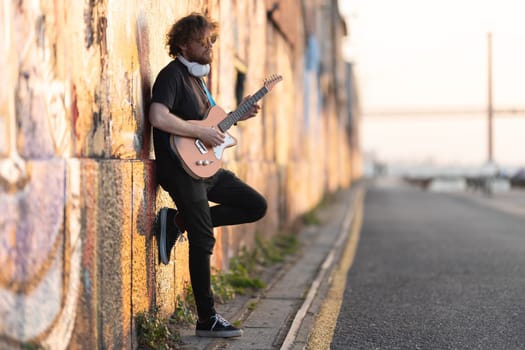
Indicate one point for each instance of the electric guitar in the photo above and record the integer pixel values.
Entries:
(201, 160)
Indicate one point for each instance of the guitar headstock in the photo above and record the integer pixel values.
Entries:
(272, 80)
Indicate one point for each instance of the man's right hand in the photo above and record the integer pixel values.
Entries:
(211, 136)
(161, 118)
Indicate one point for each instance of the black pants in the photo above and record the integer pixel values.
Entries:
(236, 203)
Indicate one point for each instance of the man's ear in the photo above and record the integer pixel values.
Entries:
(183, 49)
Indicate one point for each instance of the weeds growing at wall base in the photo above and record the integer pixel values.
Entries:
(153, 332)
(312, 217)
(241, 275)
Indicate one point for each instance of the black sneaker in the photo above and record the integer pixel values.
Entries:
(167, 233)
(217, 327)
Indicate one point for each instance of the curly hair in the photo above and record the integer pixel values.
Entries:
(186, 29)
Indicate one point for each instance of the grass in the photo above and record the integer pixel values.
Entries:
(153, 332)
(31, 346)
(312, 217)
(184, 311)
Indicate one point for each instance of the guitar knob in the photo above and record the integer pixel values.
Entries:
(207, 162)
(199, 162)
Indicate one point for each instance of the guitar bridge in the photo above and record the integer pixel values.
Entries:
(200, 146)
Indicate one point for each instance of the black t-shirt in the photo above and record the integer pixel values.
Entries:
(184, 96)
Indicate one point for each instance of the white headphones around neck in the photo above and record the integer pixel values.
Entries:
(196, 69)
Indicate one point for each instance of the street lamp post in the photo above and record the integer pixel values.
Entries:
(489, 98)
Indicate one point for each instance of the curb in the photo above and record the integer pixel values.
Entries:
(325, 267)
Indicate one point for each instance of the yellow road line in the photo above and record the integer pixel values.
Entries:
(324, 325)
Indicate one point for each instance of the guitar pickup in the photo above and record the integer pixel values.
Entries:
(200, 146)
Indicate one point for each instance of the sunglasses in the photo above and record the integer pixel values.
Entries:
(207, 41)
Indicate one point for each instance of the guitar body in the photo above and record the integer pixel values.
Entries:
(202, 161)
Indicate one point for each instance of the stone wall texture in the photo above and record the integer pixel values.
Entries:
(78, 195)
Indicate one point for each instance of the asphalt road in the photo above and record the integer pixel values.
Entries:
(434, 271)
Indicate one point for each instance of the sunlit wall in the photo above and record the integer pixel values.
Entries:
(78, 195)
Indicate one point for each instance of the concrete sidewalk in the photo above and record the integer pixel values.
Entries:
(282, 315)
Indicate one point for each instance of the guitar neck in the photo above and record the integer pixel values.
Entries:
(243, 108)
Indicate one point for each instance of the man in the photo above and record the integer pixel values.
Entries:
(179, 94)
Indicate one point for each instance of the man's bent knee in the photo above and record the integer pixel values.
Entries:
(259, 209)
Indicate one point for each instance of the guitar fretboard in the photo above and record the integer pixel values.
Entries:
(243, 108)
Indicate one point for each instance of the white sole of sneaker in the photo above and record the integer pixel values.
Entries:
(218, 334)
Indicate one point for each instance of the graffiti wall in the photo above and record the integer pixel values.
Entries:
(78, 195)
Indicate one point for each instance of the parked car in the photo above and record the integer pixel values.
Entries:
(518, 179)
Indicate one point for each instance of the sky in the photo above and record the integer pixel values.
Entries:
(420, 55)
